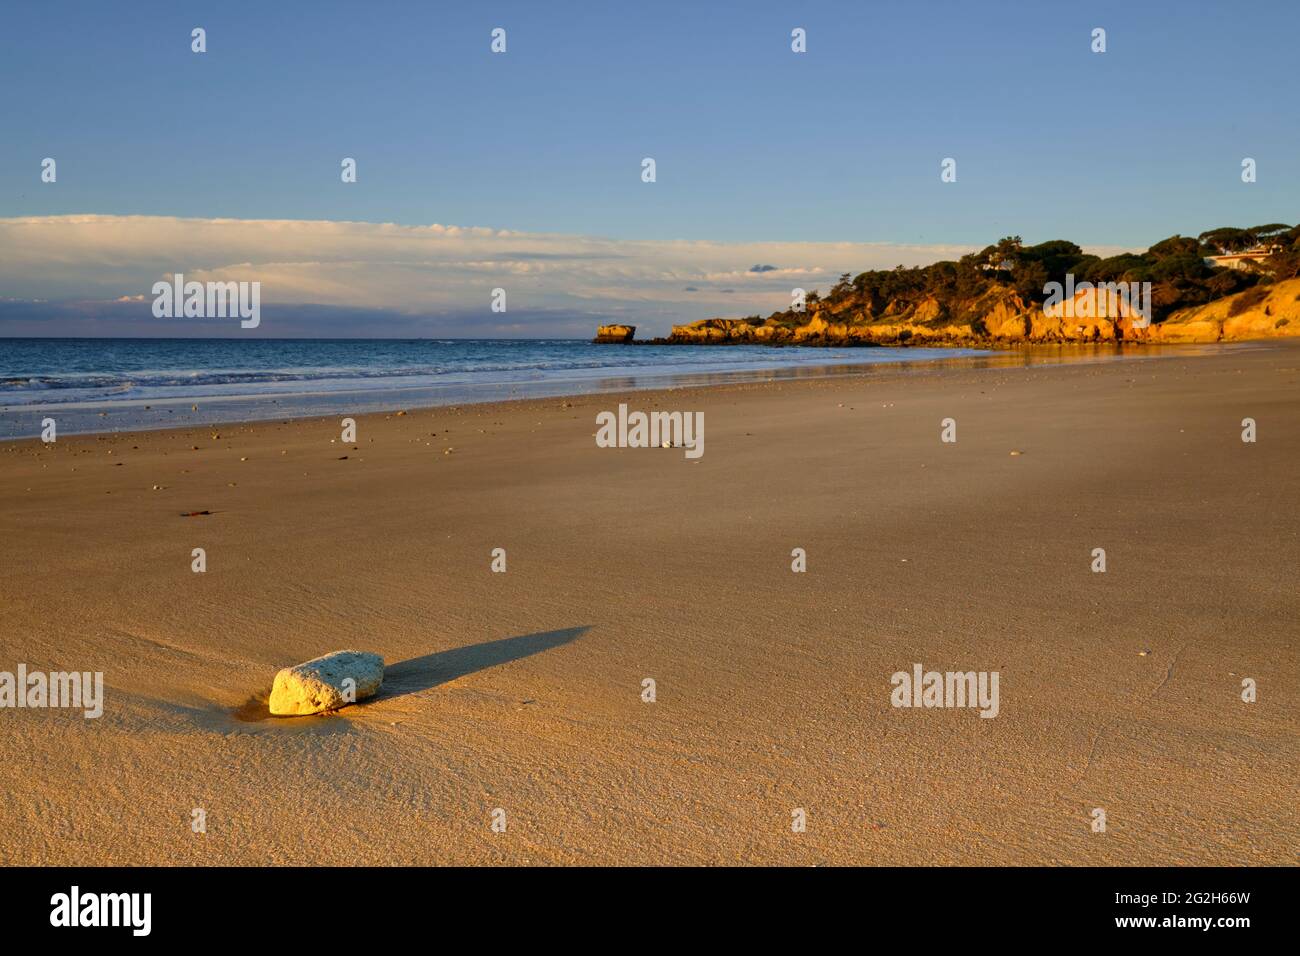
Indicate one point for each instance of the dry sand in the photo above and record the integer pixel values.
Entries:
(523, 690)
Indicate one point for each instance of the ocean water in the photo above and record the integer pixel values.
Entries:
(91, 385)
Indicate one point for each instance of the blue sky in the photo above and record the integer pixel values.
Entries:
(753, 143)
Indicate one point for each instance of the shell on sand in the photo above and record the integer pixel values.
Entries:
(326, 683)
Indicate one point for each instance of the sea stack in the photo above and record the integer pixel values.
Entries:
(614, 334)
(326, 683)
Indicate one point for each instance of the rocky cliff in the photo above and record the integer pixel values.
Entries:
(1002, 317)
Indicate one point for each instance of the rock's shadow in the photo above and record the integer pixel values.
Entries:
(406, 677)
(423, 673)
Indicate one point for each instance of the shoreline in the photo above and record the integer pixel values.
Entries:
(221, 411)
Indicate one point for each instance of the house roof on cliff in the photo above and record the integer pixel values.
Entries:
(1258, 252)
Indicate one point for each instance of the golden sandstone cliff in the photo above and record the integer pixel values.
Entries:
(1001, 316)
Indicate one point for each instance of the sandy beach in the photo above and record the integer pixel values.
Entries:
(523, 690)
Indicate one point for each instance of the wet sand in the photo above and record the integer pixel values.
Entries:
(523, 690)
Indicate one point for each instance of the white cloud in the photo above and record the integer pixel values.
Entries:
(430, 270)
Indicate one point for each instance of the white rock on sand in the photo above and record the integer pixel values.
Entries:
(323, 683)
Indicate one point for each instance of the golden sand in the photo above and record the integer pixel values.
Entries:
(524, 690)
